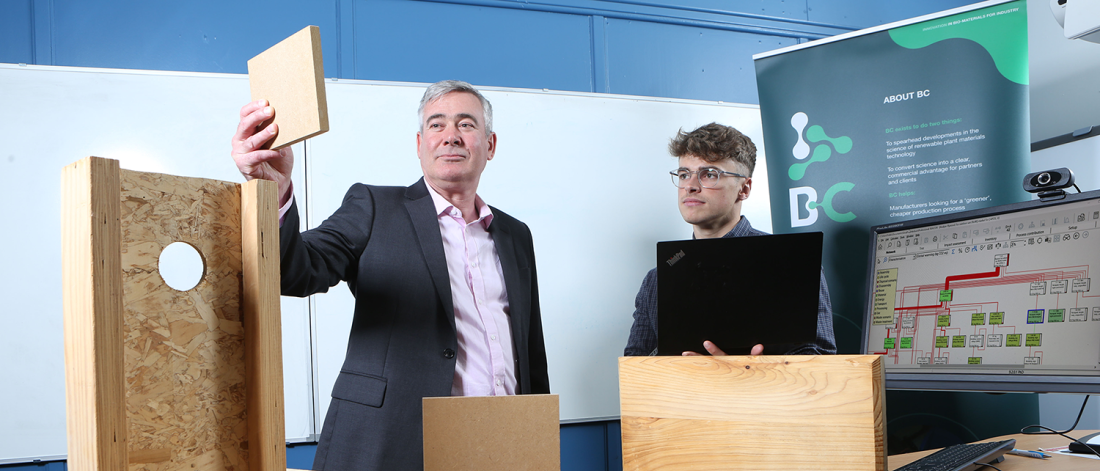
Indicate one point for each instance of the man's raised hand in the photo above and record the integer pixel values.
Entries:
(254, 130)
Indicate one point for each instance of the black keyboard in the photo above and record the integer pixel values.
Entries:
(962, 457)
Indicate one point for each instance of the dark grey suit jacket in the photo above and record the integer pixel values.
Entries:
(385, 243)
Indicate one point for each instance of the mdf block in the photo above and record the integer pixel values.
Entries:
(753, 413)
(492, 433)
(161, 379)
(290, 76)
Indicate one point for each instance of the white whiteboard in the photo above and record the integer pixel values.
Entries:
(594, 242)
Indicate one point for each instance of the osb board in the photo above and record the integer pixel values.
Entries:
(492, 433)
(753, 413)
(184, 351)
(290, 76)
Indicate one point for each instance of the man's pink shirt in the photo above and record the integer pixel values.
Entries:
(485, 362)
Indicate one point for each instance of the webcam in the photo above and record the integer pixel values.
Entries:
(1049, 184)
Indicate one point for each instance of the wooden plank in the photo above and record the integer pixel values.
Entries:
(492, 433)
(753, 413)
(92, 306)
(263, 325)
(290, 76)
(184, 350)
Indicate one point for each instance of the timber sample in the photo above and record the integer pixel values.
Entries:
(753, 413)
(290, 76)
(492, 433)
(164, 379)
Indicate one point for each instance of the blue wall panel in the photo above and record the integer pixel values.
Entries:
(866, 13)
(197, 36)
(768, 16)
(584, 447)
(16, 31)
(697, 49)
(682, 62)
(788, 9)
(300, 456)
(426, 42)
(43, 466)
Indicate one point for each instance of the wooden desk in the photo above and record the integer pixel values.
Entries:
(1013, 462)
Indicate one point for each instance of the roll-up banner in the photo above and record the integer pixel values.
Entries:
(903, 121)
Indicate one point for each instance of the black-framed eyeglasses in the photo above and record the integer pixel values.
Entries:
(708, 177)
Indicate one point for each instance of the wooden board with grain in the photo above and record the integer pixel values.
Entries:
(201, 389)
(753, 413)
(263, 332)
(91, 277)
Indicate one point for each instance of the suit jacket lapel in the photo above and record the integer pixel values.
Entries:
(518, 297)
(424, 219)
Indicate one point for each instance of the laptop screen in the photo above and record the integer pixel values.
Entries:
(738, 292)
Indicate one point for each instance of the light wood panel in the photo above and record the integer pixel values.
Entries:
(263, 335)
(753, 413)
(92, 300)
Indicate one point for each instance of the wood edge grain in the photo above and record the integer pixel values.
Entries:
(92, 315)
(319, 80)
(878, 382)
(262, 325)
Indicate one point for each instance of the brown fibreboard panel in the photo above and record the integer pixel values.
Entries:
(492, 433)
(290, 76)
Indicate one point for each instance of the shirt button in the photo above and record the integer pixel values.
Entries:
(498, 382)
(448, 353)
(493, 337)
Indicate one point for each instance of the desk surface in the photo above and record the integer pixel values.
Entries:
(1013, 462)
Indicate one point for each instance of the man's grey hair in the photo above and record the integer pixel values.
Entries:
(436, 91)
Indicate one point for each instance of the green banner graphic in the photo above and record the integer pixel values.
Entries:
(922, 120)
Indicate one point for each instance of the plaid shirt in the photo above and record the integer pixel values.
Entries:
(643, 334)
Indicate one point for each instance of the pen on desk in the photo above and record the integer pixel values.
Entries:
(1029, 453)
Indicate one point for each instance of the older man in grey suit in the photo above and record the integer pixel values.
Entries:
(445, 285)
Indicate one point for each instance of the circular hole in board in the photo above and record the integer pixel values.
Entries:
(181, 266)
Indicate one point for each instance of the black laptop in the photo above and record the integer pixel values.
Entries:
(738, 292)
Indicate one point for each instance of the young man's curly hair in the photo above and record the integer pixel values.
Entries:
(713, 143)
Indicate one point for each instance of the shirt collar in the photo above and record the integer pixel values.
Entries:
(741, 229)
(444, 207)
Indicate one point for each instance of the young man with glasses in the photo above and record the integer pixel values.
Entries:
(713, 179)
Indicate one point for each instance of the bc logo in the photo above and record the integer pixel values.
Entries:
(797, 171)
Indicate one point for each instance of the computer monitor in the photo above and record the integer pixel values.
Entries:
(995, 299)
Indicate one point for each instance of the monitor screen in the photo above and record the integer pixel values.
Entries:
(996, 299)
